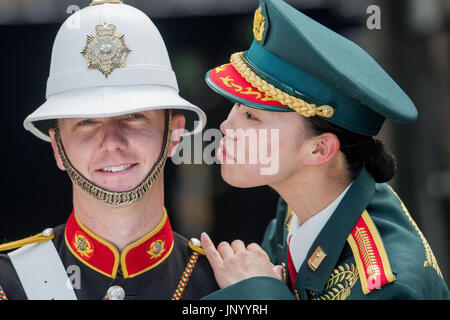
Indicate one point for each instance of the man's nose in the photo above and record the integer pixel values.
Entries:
(113, 139)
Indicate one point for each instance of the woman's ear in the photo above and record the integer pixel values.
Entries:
(59, 162)
(177, 127)
(320, 149)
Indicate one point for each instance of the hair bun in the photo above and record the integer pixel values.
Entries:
(379, 163)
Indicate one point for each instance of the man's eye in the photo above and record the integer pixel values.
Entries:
(135, 116)
(85, 122)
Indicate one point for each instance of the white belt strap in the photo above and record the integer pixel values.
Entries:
(41, 272)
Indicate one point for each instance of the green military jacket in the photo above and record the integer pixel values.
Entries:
(370, 248)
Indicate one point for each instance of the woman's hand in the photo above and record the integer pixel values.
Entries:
(235, 262)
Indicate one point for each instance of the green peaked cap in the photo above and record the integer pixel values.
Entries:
(305, 59)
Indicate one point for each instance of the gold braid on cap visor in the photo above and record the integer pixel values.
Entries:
(111, 197)
(300, 106)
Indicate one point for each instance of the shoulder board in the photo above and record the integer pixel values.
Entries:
(370, 256)
(45, 235)
(196, 246)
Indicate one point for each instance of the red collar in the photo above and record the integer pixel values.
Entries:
(102, 256)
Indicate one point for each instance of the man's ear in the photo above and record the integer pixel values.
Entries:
(320, 149)
(177, 126)
(59, 162)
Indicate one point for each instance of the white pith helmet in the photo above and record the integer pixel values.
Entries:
(113, 62)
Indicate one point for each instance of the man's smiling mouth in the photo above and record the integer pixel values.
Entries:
(117, 168)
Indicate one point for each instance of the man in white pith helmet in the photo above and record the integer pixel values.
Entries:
(112, 102)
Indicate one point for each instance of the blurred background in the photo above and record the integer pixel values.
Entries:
(412, 45)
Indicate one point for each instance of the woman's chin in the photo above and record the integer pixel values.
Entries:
(239, 180)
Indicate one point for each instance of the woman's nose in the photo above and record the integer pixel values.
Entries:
(224, 126)
(228, 123)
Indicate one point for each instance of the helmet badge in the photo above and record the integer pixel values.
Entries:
(105, 50)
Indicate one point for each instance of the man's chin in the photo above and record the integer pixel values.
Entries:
(118, 188)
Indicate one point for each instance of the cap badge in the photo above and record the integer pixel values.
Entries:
(83, 245)
(156, 249)
(258, 24)
(105, 50)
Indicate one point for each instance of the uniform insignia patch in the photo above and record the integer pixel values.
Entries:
(83, 245)
(340, 283)
(156, 249)
(105, 50)
(258, 24)
(316, 259)
(370, 255)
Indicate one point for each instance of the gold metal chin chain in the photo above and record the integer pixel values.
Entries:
(111, 197)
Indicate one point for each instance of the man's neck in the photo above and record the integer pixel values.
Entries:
(121, 225)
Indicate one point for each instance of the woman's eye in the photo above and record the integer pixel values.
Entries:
(249, 116)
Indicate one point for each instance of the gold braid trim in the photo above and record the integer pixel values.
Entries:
(117, 198)
(430, 259)
(300, 106)
(40, 237)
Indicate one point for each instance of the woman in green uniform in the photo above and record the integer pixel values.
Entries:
(316, 100)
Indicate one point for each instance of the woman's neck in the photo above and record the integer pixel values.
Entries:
(311, 191)
(121, 225)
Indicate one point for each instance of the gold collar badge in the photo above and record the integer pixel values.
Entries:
(105, 50)
(83, 245)
(156, 249)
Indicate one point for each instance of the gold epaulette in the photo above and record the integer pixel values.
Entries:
(45, 235)
(370, 256)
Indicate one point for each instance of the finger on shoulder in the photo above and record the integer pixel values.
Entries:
(238, 245)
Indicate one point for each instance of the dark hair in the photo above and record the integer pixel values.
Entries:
(359, 150)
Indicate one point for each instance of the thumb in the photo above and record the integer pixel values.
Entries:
(278, 270)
